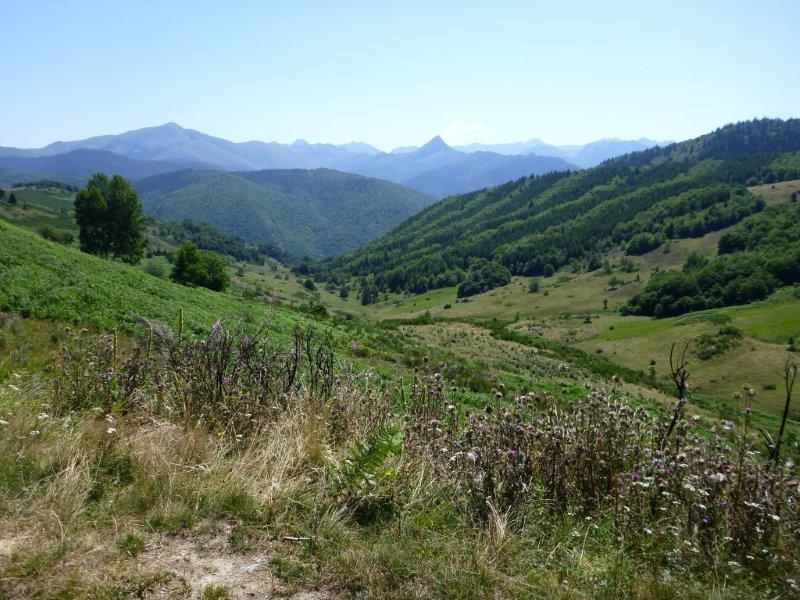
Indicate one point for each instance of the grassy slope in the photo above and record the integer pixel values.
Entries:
(41, 208)
(49, 281)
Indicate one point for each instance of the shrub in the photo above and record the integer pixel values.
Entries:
(201, 268)
(708, 345)
(483, 275)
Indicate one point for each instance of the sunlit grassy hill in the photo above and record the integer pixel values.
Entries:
(45, 280)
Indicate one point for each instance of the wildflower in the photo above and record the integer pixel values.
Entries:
(718, 478)
(35, 433)
(111, 430)
(3, 422)
(775, 518)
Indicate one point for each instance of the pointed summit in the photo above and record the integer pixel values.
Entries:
(437, 144)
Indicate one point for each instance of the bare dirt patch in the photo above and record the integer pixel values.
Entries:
(206, 560)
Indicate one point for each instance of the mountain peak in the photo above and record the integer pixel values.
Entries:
(437, 144)
(171, 125)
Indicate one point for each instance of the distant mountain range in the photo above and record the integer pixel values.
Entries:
(307, 199)
(173, 143)
(435, 168)
(317, 212)
(584, 155)
(76, 166)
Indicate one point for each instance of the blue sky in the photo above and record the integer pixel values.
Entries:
(395, 73)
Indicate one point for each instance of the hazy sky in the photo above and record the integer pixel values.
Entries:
(395, 73)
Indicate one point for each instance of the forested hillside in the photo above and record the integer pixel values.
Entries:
(301, 212)
(759, 255)
(536, 225)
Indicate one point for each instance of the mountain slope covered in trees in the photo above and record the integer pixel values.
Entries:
(536, 225)
(302, 212)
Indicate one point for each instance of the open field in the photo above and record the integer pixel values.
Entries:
(777, 193)
(582, 310)
(757, 361)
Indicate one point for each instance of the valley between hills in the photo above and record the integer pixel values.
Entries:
(384, 393)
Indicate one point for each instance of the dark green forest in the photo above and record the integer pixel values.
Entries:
(536, 225)
(759, 255)
(206, 237)
(298, 212)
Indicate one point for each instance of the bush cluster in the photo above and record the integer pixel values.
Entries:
(201, 268)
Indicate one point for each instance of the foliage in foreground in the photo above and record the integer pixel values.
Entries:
(391, 493)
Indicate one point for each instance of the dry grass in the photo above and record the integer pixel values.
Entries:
(365, 492)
